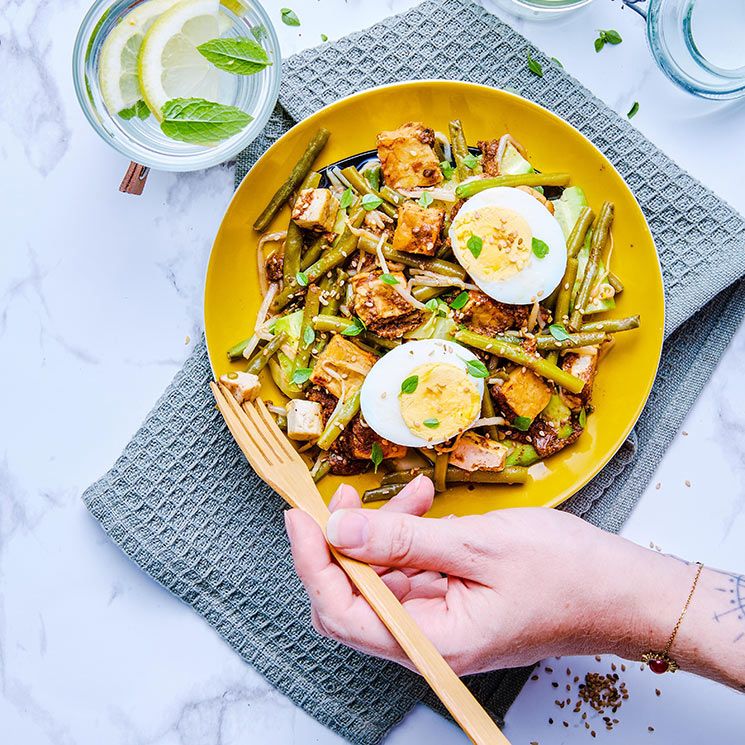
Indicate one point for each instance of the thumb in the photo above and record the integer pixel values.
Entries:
(462, 546)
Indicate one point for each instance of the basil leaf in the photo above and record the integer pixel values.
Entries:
(559, 332)
(534, 66)
(324, 37)
(138, 109)
(425, 199)
(356, 329)
(633, 110)
(540, 249)
(201, 122)
(447, 170)
(376, 455)
(557, 62)
(371, 202)
(347, 198)
(432, 305)
(611, 36)
(477, 369)
(470, 161)
(309, 336)
(373, 178)
(460, 300)
(582, 418)
(431, 423)
(241, 56)
(474, 245)
(409, 385)
(301, 375)
(289, 17)
(522, 423)
(302, 279)
(599, 43)
(389, 279)
(258, 32)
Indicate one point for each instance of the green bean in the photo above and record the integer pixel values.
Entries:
(517, 354)
(381, 493)
(563, 298)
(487, 410)
(600, 234)
(258, 362)
(310, 311)
(339, 324)
(423, 293)
(615, 282)
(454, 475)
(463, 191)
(236, 351)
(311, 181)
(298, 173)
(369, 244)
(523, 453)
(314, 251)
(577, 237)
(293, 248)
(391, 195)
(320, 468)
(333, 288)
(613, 325)
(440, 471)
(360, 184)
(338, 420)
(460, 150)
(546, 342)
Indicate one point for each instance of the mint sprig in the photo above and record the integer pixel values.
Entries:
(138, 109)
(240, 56)
(201, 122)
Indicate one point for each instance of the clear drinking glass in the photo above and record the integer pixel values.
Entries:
(143, 141)
(698, 44)
(539, 9)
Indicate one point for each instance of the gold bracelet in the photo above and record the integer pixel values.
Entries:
(661, 662)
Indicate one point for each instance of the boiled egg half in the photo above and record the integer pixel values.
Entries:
(510, 244)
(423, 392)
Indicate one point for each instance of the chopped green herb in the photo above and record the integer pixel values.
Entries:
(371, 202)
(431, 423)
(534, 65)
(376, 455)
(289, 17)
(138, 109)
(477, 369)
(599, 43)
(540, 249)
(240, 56)
(324, 37)
(559, 332)
(302, 279)
(522, 423)
(474, 245)
(301, 375)
(447, 169)
(347, 198)
(389, 279)
(470, 161)
(460, 300)
(258, 32)
(633, 110)
(582, 418)
(607, 37)
(309, 335)
(425, 199)
(373, 178)
(354, 330)
(557, 62)
(409, 385)
(432, 305)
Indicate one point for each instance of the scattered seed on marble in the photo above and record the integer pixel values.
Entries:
(657, 691)
(687, 482)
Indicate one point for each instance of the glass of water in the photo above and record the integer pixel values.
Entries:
(539, 9)
(698, 44)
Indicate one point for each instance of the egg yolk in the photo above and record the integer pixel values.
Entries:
(444, 402)
(505, 245)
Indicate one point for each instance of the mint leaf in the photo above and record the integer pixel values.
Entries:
(425, 199)
(309, 336)
(470, 161)
(241, 56)
(540, 249)
(410, 384)
(289, 17)
(599, 43)
(460, 300)
(138, 109)
(376, 455)
(447, 170)
(557, 62)
(301, 375)
(324, 37)
(559, 332)
(346, 199)
(474, 245)
(201, 122)
(522, 423)
(431, 423)
(534, 66)
(477, 369)
(432, 305)
(389, 279)
(302, 279)
(633, 110)
(371, 202)
(611, 36)
(258, 32)
(355, 329)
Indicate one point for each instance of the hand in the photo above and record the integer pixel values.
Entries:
(497, 590)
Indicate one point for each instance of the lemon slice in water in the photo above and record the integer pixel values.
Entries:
(170, 66)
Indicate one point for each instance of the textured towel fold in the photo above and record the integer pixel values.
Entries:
(182, 502)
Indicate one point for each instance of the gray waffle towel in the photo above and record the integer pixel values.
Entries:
(184, 505)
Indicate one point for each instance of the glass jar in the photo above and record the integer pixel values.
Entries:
(539, 9)
(142, 141)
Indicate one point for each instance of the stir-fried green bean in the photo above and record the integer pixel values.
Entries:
(423, 293)
(338, 325)
(546, 342)
(460, 150)
(600, 234)
(470, 188)
(454, 475)
(576, 238)
(314, 251)
(440, 471)
(338, 420)
(563, 298)
(391, 195)
(236, 351)
(613, 325)
(298, 173)
(381, 493)
(360, 184)
(311, 181)
(307, 332)
(517, 354)
(259, 361)
(320, 468)
(293, 249)
(615, 282)
(487, 410)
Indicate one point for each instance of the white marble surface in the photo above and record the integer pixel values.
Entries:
(100, 294)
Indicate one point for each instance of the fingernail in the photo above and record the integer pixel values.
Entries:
(347, 529)
(289, 527)
(418, 484)
(336, 498)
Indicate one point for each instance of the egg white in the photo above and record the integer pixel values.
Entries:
(379, 394)
(540, 277)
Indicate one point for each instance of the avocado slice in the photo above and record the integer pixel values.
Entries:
(568, 206)
(513, 163)
(281, 369)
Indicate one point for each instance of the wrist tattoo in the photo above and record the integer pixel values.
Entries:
(732, 586)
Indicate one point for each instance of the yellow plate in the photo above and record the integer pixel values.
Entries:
(625, 378)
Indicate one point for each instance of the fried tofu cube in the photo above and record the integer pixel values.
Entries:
(381, 308)
(418, 229)
(315, 209)
(475, 452)
(304, 420)
(244, 386)
(583, 364)
(524, 393)
(341, 367)
(407, 157)
(489, 317)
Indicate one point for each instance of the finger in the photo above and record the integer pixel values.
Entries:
(345, 497)
(415, 498)
(462, 546)
(437, 588)
(397, 582)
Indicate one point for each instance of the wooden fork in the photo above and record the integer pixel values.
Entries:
(276, 461)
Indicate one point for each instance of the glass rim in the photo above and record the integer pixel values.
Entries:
(557, 7)
(207, 158)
